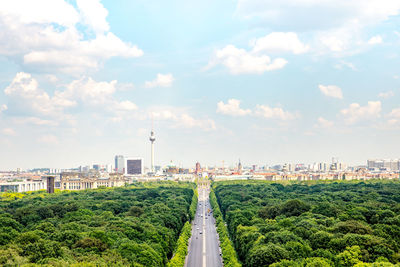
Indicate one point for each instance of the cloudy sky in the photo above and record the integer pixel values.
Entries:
(261, 80)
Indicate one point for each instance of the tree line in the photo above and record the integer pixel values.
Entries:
(312, 224)
(137, 225)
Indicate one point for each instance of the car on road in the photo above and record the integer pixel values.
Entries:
(198, 228)
(201, 232)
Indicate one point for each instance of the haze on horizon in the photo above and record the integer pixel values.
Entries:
(266, 82)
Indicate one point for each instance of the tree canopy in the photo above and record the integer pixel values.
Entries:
(137, 225)
(312, 223)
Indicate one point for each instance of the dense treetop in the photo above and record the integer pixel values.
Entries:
(136, 225)
(313, 224)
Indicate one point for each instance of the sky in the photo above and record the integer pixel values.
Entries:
(263, 81)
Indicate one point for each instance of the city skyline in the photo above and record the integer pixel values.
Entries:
(81, 80)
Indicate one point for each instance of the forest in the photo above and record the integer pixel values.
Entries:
(343, 223)
(137, 225)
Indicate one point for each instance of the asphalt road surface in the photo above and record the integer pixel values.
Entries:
(204, 250)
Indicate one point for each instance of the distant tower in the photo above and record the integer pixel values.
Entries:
(50, 184)
(198, 168)
(240, 167)
(152, 139)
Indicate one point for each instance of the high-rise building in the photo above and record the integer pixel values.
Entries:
(322, 167)
(290, 167)
(119, 164)
(133, 166)
(152, 140)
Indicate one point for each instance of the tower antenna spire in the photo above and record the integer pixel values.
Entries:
(152, 122)
(152, 139)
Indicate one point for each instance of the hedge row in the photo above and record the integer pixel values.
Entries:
(182, 245)
(228, 252)
(193, 205)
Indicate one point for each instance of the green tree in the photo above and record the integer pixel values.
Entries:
(264, 255)
(350, 257)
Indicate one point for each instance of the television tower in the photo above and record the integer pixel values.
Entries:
(152, 139)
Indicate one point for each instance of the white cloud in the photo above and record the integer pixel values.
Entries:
(8, 131)
(162, 80)
(327, 14)
(240, 61)
(347, 64)
(394, 117)
(125, 106)
(395, 113)
(98, 96)
(274, 113)
(51, 78)
(337, 27)
(355, 112)
(387, 94)
(35, 121)
(280, 42)
(125, 86)
(88, 91)
(232, 108)
(94, 15)
(375, 40)
(33, 105)
(190, 122)
(336, 40)
(323, 123)
(255, 60)
(49, 39)
(331, 91)
(180, 118)
(48, 139)
(26, 97)
(56, 11)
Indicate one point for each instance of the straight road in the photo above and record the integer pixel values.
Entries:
(204, 247)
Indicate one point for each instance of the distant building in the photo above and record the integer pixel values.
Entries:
(84, 168)
(387, 164)
(157, 168)
(322, 167)
(134, 166)
(119, 164)
(240, 167)
(50, 184)
(23, 185)
(81, 181)
(198, 168)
